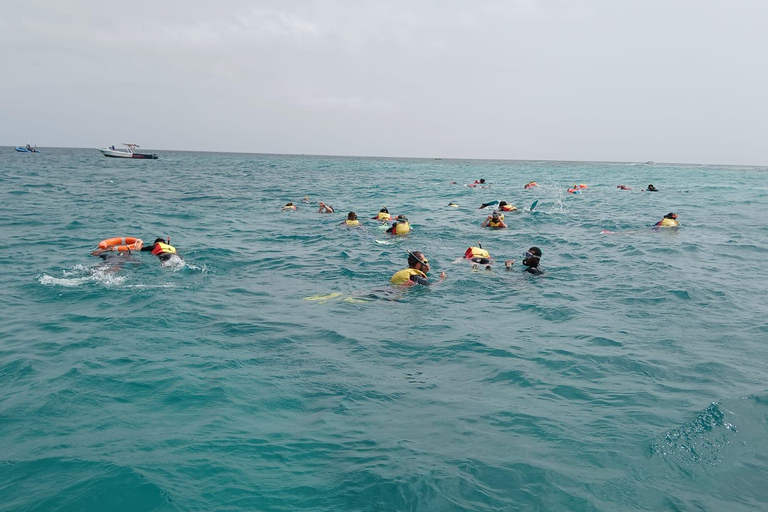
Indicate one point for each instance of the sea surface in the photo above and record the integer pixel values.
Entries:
(275, 368)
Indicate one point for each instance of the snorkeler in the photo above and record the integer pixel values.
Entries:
(416, 273)
(382, 215)
(161, 249)
(324, 208)
(352, 220)
(531, 260)
(506, 207)
(400, 227)
(478, 256)
(623, 187)
(495, 221)
(651, 188)
(669, 221)
(289, 207)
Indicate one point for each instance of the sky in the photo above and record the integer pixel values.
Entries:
(595, 80)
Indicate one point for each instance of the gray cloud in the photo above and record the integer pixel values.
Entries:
(587, 80)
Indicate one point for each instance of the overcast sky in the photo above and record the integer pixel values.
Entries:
(624, 80)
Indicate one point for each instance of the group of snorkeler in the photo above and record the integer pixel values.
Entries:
(418, 264)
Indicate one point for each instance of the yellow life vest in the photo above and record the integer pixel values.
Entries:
(161, 248)
(352, 222)
(476, 252)
(668, 223)
(492, 224)
(508, 208)
(401, 228)
(404, 275)
(383, 216)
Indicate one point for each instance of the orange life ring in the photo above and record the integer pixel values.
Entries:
(123, 244)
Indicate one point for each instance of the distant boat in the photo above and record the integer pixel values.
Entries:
(130, 153)
(650, 162)
(27, 149)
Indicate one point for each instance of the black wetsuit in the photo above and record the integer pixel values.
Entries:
(532, 265)
(419, 280)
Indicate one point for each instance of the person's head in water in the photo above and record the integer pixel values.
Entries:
(651, 188)
(670, 215)
(418, 261)
(502, 204)
(384, 210)
(401, 218)
(351, 216)
(532, 257)
(161, 240)
(496, 218)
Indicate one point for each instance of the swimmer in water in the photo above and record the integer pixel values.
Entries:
(416, 273)
(531, 260)
(495, 221)
(324, 208)
(506, 207)
(478, 256)
(351, 220)
(383, 215)
(400, 227)
(669, 221)
(161, 249)
(651, 188)
(289, 207)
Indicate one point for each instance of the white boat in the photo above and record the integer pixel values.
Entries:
(130, 153)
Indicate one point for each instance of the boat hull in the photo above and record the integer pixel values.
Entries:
(114, 153)
(25, 150)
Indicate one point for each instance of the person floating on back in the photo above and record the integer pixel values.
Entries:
(416, 273)
(400, 227)
(161, 249)
(669, 221)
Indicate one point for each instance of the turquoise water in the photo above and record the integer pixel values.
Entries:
(276, 369)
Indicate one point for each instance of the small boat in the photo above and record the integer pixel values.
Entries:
(650, 162)
(131, 153)
(27, 149)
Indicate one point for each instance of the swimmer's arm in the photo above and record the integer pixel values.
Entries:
(424, 281)
(147, 247)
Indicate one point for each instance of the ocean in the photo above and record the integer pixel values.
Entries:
(276, 369)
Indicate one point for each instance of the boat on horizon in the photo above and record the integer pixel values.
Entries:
(28, 149)
(130, 153)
